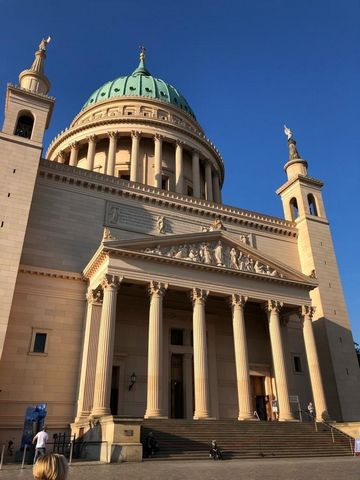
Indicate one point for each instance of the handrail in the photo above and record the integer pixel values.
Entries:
(256, 415)
(332, 428)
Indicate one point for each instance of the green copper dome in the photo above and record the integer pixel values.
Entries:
(140, 84)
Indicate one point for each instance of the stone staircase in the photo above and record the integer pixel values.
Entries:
(190, 440)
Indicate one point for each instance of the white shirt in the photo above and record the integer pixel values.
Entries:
(41, 437)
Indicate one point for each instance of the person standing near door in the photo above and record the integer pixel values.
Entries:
(40, 439)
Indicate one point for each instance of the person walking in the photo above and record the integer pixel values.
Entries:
(40, 439)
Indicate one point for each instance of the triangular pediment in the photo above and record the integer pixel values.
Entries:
(213, 250)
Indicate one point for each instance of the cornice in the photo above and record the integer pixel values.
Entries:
(36, 95)
(93, 181)
(48, 272)
(302, 179)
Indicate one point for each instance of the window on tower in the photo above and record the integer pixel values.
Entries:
(294, 208)
(312, 205)
(24, 126)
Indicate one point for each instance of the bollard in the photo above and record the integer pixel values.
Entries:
(2, 457)
(71, 452)
(23, 459)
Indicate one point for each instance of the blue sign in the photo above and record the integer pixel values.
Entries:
(34, 422)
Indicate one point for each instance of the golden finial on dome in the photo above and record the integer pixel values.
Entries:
(142, 52)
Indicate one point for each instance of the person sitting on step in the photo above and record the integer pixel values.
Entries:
(215, 452)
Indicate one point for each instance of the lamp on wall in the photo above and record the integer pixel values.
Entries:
(132, 381)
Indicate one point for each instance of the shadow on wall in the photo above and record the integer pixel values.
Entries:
(339, 370)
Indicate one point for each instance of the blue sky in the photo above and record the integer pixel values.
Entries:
(246, 67)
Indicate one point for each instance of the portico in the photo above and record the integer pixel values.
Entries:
(215, 307)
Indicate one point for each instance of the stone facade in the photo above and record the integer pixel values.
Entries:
(151, 297)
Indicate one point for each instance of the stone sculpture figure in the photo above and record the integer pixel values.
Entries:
(182, 252)
(44, 42)
(287, 132)
(160, 224)
(233, 259)
(217, 225)
(219, 254)
(206, 254)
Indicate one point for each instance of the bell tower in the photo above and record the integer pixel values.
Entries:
(28, 110)
(303, 204)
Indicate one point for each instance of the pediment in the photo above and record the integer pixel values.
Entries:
(213, 250)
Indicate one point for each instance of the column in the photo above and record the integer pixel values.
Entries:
(101, 405)
(241, 358)
(201, 371)
(155, 352)
(157, 159)
(110, 167)
(61, 157)
(196, 174)
(179, 173)
(88, 364)
(273, 309)
(135, 146)
(313, 362)
(74, 154)
(216, 188)
(91, 152)
(208, 182)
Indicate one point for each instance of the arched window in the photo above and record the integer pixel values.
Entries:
(312, 204)
(24, 126)
(294, 208)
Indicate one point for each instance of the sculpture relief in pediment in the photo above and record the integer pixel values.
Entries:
(217, 254)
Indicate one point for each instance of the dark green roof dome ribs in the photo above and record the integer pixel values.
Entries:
(140, 84)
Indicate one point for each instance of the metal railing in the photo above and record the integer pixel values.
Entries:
(331, 428)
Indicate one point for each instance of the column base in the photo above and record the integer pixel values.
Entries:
(100, 412)
(155, 417)
(246, 417)
(202, 417)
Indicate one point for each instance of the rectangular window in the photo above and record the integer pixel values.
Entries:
(297, 364)
(177, 336)
(39, 341)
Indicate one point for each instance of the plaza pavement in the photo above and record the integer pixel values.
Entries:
(347, 468)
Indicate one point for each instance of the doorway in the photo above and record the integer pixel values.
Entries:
(177, 386)
(258, 395)
(114, 396)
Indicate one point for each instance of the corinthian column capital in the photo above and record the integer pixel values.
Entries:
(114, 134)
(92, 138)
(158, 137)
(135, 134)
(237, 300)
(157, 288)
(111, 281)
(306, 312)
(273, 306)
(180, 143)
(75, 145)
(94, 297)
(199, 295)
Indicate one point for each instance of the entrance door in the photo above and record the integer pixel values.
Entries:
(114, 396)
(258, 395)
(177, 390)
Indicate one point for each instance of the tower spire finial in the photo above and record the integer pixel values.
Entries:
(293, 153)
(34, 78)
(142, 53)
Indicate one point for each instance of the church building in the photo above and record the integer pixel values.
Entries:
(130, 291)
